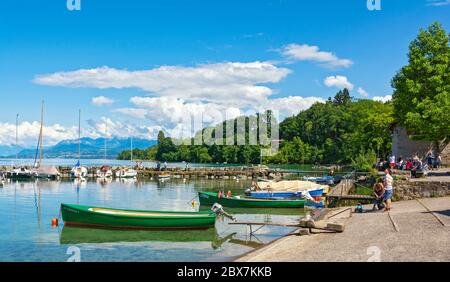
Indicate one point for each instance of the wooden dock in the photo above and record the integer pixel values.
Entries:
(343, 190)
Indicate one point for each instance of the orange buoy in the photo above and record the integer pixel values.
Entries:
(54, 222)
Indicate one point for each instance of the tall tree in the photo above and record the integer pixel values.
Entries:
(422, 88)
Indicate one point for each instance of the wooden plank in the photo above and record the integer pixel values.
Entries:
(393, 222)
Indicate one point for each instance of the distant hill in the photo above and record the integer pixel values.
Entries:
(9, 150)
(90, 148)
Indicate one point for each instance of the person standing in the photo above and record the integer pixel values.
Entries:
(388, 189)
(392, 161)
(430, 159)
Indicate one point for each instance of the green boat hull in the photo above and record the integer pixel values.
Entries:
(209, 198)
(77, 215)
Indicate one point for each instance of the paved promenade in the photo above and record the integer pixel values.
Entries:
(409, 233)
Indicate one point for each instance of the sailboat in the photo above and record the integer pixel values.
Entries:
(105, 170)
(45, 172)
(128, 172)
(19, 172)
(78, 171)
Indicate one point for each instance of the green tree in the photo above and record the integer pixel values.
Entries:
(422, 88)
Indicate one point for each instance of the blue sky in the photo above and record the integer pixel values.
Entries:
(154, 61)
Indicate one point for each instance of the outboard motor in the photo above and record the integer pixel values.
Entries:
(218, 209)
(248, 191)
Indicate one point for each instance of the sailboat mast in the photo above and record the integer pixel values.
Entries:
(106, 136)
(40, 143)
(17, 137)
(79, 135)
(131, 158)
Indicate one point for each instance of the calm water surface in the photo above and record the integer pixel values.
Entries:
(27, 208)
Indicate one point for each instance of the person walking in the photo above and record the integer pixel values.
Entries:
(388, 189)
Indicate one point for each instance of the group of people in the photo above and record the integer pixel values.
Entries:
(383, 191)
(414, 164)
(158, 166)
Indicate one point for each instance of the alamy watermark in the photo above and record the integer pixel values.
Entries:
(255, 130)
(75, 254)
(73, 5)
(375, 254)
(374, 5)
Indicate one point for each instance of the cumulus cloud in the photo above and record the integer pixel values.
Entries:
(383, 99)
(101, 101)
(339, 82)
(306, 52)
(289, 106)
(52, 134)
(231, 83)
(362, 92)
(29, 132)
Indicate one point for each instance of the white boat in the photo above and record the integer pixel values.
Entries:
(44, 172)
(126, 173)
(104, 172)
(79, 171)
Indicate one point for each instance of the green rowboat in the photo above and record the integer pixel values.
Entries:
(77, 215)
(209, 198)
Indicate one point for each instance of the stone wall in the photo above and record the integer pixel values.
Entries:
(403, 146)
(445, 154)
(409, 190)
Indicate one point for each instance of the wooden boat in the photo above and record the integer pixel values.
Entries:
(164, 176)
(135, 219)
(210, 198)
(315, 192)
(79, 235)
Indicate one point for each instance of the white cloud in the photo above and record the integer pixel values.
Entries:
(306, 52)
(227, 83)
(362, 92)
(120, 129)
(52, 134)
(101, 101)
(438, 3)
(339, 82)
(289, 106)
(29, 132)
(382, 99)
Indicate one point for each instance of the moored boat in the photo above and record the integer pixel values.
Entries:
(104, 172)
(20, 173)
(285, 189)
(126, 173)
(210, 198)
(164, 176)
(79, 215)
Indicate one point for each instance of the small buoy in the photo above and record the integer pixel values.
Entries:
(219, 195)
(54, 222)
(229, 194)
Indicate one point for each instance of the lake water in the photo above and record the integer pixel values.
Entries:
(27, 208)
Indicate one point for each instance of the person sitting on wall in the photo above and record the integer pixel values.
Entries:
(417, 167)
(409, 164)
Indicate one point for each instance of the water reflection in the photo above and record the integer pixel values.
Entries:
(28, 207)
